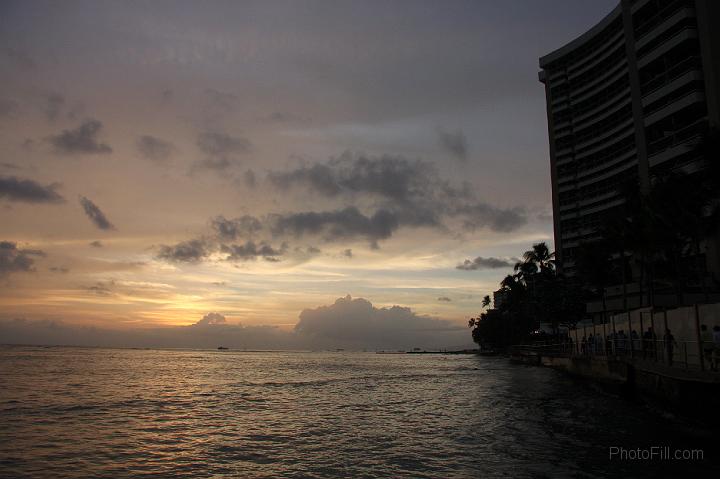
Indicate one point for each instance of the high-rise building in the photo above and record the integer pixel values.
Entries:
(628, 99)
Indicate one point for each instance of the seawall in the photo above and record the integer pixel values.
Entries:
(687, 393)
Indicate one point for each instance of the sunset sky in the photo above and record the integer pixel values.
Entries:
(161, 161)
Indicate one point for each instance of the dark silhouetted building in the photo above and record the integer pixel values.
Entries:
(628, 99)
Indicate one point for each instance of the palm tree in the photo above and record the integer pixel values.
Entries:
(486, 301)
(541, 256)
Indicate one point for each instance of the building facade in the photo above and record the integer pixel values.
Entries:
(627, 100)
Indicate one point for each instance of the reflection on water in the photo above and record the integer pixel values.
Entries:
(72, 412)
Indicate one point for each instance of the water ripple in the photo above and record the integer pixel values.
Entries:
(71, 412)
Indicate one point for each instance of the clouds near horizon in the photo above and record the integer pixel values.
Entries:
(347, 323)
(14, 259)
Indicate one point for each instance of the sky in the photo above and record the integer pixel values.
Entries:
(283, 174)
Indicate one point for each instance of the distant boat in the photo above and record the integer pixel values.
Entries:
(221, 348)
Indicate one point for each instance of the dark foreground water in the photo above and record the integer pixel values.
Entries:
(72, 412)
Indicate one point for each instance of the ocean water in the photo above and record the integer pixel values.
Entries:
(82, 412)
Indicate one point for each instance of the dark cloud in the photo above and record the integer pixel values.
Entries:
(251, 251)
(484, 263)
(411, 189)
(191, 251)
(96, 244)
(402, 193)
(9, 166)
(444, 299)
(483, 215)
(346, 223)
(17, 189)
(230, 230)
(454, 143)
(348, 253)
(59, 269)
(220, 150)
(197, 250)
(359, 322)
(97, 217)
(391, 177)
(155, 149)
(14, 260)
(82, 139)
(211, 319)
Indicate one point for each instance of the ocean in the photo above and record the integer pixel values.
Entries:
(84, 412)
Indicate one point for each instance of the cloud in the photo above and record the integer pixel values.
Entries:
(211, 319)
(348, 323)
(251, 251)
(484, 263)
(482, 215)
(346, 223)
(358, 322)
(229, 230)
(400, 192)
(391, 177)
(82, 139)
(154, 149)
(454, 143)
(102, 288)
(444, 299)
(411, 189)
(191, 251)
(14, 260)
(96, 244)
(220, 150)
(97, 217)
(348, 253)
(200, 249)
(17, 189)
(23, 331)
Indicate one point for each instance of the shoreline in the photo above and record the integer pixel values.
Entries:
(692, 395)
